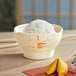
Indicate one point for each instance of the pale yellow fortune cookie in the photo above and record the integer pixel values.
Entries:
(58, 66)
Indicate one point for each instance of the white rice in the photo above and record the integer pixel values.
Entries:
(39, 27)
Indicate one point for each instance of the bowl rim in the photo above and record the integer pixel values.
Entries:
(55, 25)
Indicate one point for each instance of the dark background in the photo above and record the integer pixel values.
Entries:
(7, 15)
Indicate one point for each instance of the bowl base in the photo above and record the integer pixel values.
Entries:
(39, 55)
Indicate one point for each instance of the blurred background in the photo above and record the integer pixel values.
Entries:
(14, 12)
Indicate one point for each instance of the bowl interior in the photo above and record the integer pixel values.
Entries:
(58, 28)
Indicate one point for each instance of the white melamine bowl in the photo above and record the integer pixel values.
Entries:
(37, 46)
